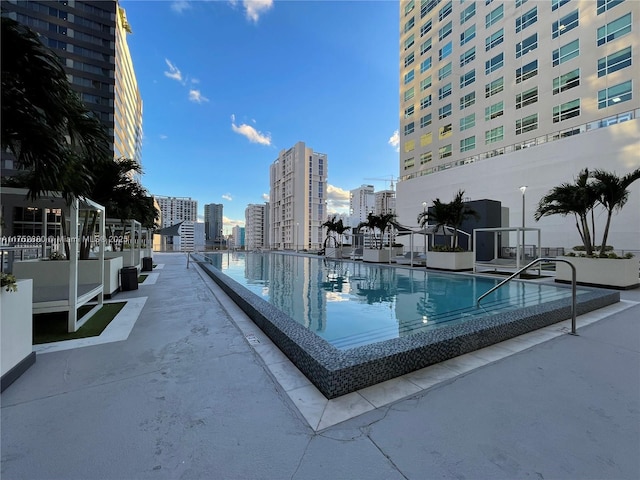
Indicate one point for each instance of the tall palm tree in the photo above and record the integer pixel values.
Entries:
(330, 225)
(451, 214)
(45, 125)
(612, 195)
(370, 224)
(386, 221)
(577, 199)
(340, 228)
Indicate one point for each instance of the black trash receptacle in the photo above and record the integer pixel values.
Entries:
(128, 278)
(147, 264)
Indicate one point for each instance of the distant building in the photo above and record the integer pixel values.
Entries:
(385, 202)
(256, 226)
(238, 236)
(213, 223)
(298, 191)
(199, 237)
(361, 203)
(175, 210)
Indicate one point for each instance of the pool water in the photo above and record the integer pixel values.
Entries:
(350, 304)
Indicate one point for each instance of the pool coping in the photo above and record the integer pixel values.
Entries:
(337, 372)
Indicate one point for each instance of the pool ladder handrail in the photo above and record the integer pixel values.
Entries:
(527, 267)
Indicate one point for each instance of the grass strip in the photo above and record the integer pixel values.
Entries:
(52, 327)
(142, 278)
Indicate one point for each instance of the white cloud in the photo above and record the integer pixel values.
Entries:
(173, 73)
(394, 140)
(253, 8)
(180, 6)
(253, 135)
(265, 197)
(163, 137)
(337, 199)
(196, 96)
(230, 223)
(228, 197)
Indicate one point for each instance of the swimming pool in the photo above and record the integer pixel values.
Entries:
(347, 325)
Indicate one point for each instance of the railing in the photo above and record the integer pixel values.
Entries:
(527, 267)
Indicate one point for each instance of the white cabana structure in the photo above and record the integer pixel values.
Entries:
(58, 285)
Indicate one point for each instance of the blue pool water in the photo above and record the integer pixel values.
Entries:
(350, 304)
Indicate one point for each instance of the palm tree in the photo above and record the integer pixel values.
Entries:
(330, 225)
(45, 125)
(612, 195)
(450, 214)
(340, 228)
(386, 221)
(577, 199)
(370, 224)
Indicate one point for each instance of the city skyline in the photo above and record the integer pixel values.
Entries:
(324, 73)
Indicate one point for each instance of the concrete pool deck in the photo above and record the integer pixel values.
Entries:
(193, 392)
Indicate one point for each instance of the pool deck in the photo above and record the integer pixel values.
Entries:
(184, 386)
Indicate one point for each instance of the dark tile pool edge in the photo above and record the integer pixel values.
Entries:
(338, 372)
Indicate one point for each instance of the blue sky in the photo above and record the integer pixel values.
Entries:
(227, 85)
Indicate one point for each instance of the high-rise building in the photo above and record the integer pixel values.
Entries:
(256, 226)
(90, 39)
(495, 95)
(238, 235)
(385, 201)
(298, 191)
(361, 203)
(173, 211)
(213, 225)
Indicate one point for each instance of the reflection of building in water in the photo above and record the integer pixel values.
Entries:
(413, 305)
(255, 268)
(375, 284)
(295, 286)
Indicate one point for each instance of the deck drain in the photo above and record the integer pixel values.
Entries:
(252, 339)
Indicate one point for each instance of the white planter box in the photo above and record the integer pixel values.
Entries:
(455, 261)
(17, 331)
(333, 252)
(621, 273)
(380, 256)
(88, 273)
(130, 258)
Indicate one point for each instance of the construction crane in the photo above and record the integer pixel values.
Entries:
(389, 178)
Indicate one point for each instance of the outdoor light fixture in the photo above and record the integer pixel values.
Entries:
(523, 189)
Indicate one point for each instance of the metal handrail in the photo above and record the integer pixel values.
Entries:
(531, 264)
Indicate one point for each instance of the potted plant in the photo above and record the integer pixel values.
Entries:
(448, 217)
(337, 228)
(595, 265)
(378, 223)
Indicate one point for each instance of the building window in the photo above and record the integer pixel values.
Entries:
(565, 24)
(408, 43)
(408, 112)
(445, 71)
(444, 92)
(445, 131)
(468, 35)
(425, 157)
(495, 16)
(426, 46)
(445, 51)
(528, 44)
(410, 146)
(425, 120)
(425, 102)
(519, 3)
(527, 97)
(615, 29)
(409, 163)
(616, 94)
(527, 71)
(566, 52)
(467, 100)
(425, 65)
(555, 4)
(426, 139)
(409, 24)
(468, 78)
(445, 11)
(445, 151)
(467, 13)
(426, 28)
(614, 62)
(408, 77)
(445, 31)
(566, 110)
(467, 144)
(566, 81)
(467, 122)
(409, 128)
(494, 64)
(527, 19)
(527, 124)
(468, 56)
(494, 135)
(408, 60)
(425, 83)
(408, 8)
(604, 5)
(426, 6)
(494, 111)
(494, 40)
(409, 94)
(444, 112)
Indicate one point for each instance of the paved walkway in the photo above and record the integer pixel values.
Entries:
(191, 394)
